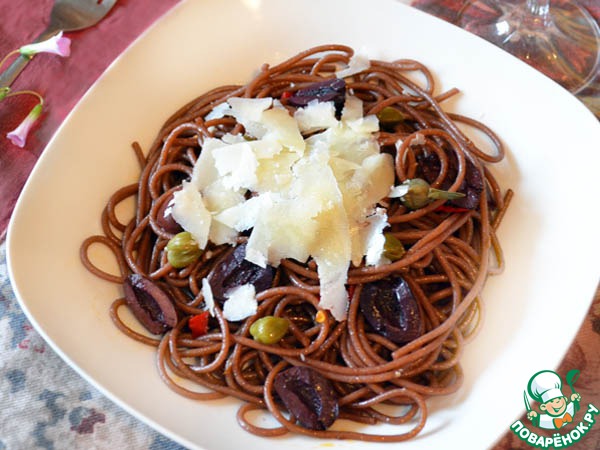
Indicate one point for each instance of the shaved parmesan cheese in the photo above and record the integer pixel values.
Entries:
(334, 296)
(374, 238)
(217, 196)
(342, 141)
(209, 300)
(219, 111)
(237, 165)
(222, 234)
(316, 116)
(332, 255)
(229, 138)
(342, 168)
(398, 191)
(241, 303)
(308, 197)
(257, 249)
(243, 215)
(275, 174)
(265, 149)
(249, 109)
(358, 63)
(205, 172)
(379, 173)
(248, 112)
(189, 211)
(353, 108)
(282, 128)
(282, 231)
(369, 124)
(419, 139)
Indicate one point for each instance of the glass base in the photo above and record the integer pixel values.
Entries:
(562, 40)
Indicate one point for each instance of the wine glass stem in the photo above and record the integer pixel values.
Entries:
(539, 9)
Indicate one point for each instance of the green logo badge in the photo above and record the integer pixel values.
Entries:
(557, 408)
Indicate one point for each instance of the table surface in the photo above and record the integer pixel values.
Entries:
(46, 404)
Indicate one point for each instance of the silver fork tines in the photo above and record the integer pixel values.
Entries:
(66, 15)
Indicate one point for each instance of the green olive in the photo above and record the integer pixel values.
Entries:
(183, 250)
(390, 116)
(269, 329)
(393, 248)
(420, 194)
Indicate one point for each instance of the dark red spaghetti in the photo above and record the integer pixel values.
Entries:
(447, 260)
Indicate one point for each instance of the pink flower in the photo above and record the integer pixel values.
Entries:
(57, 44)
(18, 136)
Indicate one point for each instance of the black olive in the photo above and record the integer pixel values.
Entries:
(390, 307)
(165, 220)
(331, 90)
(232, 270)
(308, 396)
(149, 304)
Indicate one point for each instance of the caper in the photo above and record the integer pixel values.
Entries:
(390, 116)
(420, 194)
(269, 329)
(183, 250)
(393, 248)
(416, 197)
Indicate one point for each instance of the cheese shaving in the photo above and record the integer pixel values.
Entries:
(374, 238)
(358, 63)
(398, 191)
(241, 303)
(209, 301)
(190, 212)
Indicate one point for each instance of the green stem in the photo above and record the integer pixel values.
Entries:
(437, 194)
(26, 92)
(14, 52)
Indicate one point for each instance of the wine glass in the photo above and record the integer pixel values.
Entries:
(559, 38)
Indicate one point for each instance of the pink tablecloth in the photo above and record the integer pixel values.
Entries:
(44, 403)
(62, 81)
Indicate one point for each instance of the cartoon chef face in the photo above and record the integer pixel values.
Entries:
(555, 407)
(546, 388)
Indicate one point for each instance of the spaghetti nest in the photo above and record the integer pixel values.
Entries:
(447, 259)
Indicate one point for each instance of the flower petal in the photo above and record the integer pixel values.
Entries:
(18, 136)
(57, 45)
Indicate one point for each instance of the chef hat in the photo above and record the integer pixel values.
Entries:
(544, 386)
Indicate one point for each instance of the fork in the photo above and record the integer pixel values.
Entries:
(66, 15)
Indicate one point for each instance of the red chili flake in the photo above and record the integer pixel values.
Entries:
(286, 95)
(451, 209)
(199, 324)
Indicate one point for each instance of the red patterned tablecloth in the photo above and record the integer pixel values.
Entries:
(62, 81)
